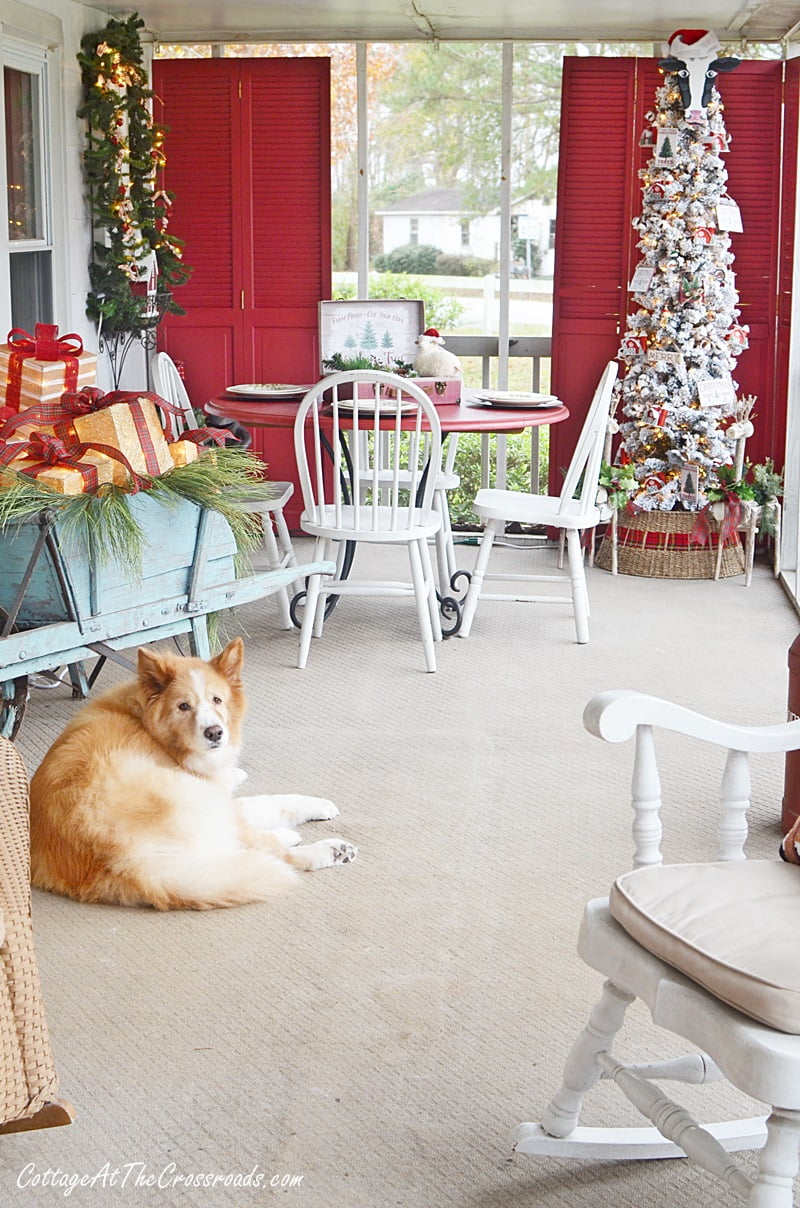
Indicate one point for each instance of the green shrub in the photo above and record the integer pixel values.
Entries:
(411, 258)
(463, 266)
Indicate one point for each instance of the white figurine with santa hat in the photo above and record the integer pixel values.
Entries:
(433, 360)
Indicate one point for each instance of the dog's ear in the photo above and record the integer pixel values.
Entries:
(155, 670)
(229, 662)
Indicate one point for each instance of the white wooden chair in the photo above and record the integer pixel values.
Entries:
(167, 382)
(446, 480)
(573, 511)
(711, 949)
(379, 490)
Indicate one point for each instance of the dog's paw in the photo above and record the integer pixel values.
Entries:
(238, 776)
(342, 851)
(323, 854)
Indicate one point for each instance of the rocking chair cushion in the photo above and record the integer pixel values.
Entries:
(727, 926)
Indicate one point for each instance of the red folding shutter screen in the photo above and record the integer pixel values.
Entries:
(248, 159)
(604, 104)
(791, 112)
(198, 101)
(595, 172)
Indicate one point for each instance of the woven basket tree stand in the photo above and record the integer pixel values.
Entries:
(657, 545)
(27, 1072)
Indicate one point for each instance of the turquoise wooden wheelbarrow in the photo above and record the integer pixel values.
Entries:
(59, 605)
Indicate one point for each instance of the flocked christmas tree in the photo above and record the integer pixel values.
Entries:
(682, 343)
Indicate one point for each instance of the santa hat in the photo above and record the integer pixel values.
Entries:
(692, 44)
(433, 333)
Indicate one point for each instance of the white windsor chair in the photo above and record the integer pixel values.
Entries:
(571, 512)
(377, 488)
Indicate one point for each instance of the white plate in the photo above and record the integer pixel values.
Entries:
(267, 390)
(367, 407)
(516, 398)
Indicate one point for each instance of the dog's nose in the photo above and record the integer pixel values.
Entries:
(213, 734)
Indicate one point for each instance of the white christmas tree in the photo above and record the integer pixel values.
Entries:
(682, 342)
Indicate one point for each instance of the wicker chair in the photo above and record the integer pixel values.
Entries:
(27, 1073)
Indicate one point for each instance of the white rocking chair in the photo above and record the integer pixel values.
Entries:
(712, 950)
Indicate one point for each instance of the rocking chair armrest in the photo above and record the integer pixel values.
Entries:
(615, 716)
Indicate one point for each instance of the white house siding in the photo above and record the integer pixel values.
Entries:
(56, 26)
(443, 231)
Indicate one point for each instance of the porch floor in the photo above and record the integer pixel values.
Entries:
(376, 1033)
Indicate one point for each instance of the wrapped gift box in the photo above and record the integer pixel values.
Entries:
(134, 428)
(183, 452)
(44, 381)
(69, 480)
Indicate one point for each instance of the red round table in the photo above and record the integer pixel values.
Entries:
(467, 416)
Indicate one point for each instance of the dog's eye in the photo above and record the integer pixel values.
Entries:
(217, 700)
(184, 705)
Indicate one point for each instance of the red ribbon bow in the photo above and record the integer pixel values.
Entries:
(730, 521)
(45, 344)
(199, 436)
(81, 402)
(45, 447)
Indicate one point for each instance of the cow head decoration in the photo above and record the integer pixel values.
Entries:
(692, 57)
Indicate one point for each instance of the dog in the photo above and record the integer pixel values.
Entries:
(134, 803)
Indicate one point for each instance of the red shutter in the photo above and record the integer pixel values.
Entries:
(198, 101)
(603, 115)
(595, 173)
(288, 122)
(752, 96)
(788, 231)
(248, 159)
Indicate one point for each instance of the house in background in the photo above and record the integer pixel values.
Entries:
(438, 218)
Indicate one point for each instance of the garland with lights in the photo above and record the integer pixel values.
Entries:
(682, 342)
(123, 154)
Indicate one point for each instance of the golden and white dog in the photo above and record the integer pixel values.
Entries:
(134, 802)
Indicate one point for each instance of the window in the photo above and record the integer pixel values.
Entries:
(413, 230)
(29, 221)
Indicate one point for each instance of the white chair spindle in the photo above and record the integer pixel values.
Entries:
(646, 800)
(735, 801)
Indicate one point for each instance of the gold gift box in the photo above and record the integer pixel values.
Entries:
(115, 426)
(67, 480)
(183, 452)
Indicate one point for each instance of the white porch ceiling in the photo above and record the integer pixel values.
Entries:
(453, 20)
